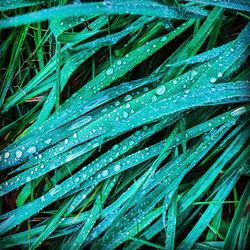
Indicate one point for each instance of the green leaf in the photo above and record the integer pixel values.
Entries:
(92, 9)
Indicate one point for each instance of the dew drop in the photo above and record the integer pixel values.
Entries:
(117, 167)
(18, 153)
(119, 62)
(109, 71)
(154, 98)
(105, 173)
(125, 114)
(163, 39)
(194, 73)
(161, 90)
(117, 103)
(128, 98)
(219, 74)
(6, 155)
(31, 150)
(104, 110)
(48, 141)
(28, 178)
(213, 79)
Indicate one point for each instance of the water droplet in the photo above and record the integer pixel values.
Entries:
(125, 114)
(48, 141)
(77, 179)
(194, 73)
(161, 90)
(117, 167)
(109, 71)
(163, 39)
(213, 79)
(66, 141)
(117, 103)
(128, 98)
(18, 153)
(105, 173)
(28, 178)
(219, 74)
(31, 150)
(119, 62)
(104, 110)
(6, 155)
(147, 50)
(154, 98)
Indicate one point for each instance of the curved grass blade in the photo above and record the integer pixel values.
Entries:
(233, 232)
(229, 4)
(208, 214)
(92, 9)
(5, 5)
(52, 224)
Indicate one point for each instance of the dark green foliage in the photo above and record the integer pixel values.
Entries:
(124, 124)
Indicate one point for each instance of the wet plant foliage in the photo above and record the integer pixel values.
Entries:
(124, 124)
